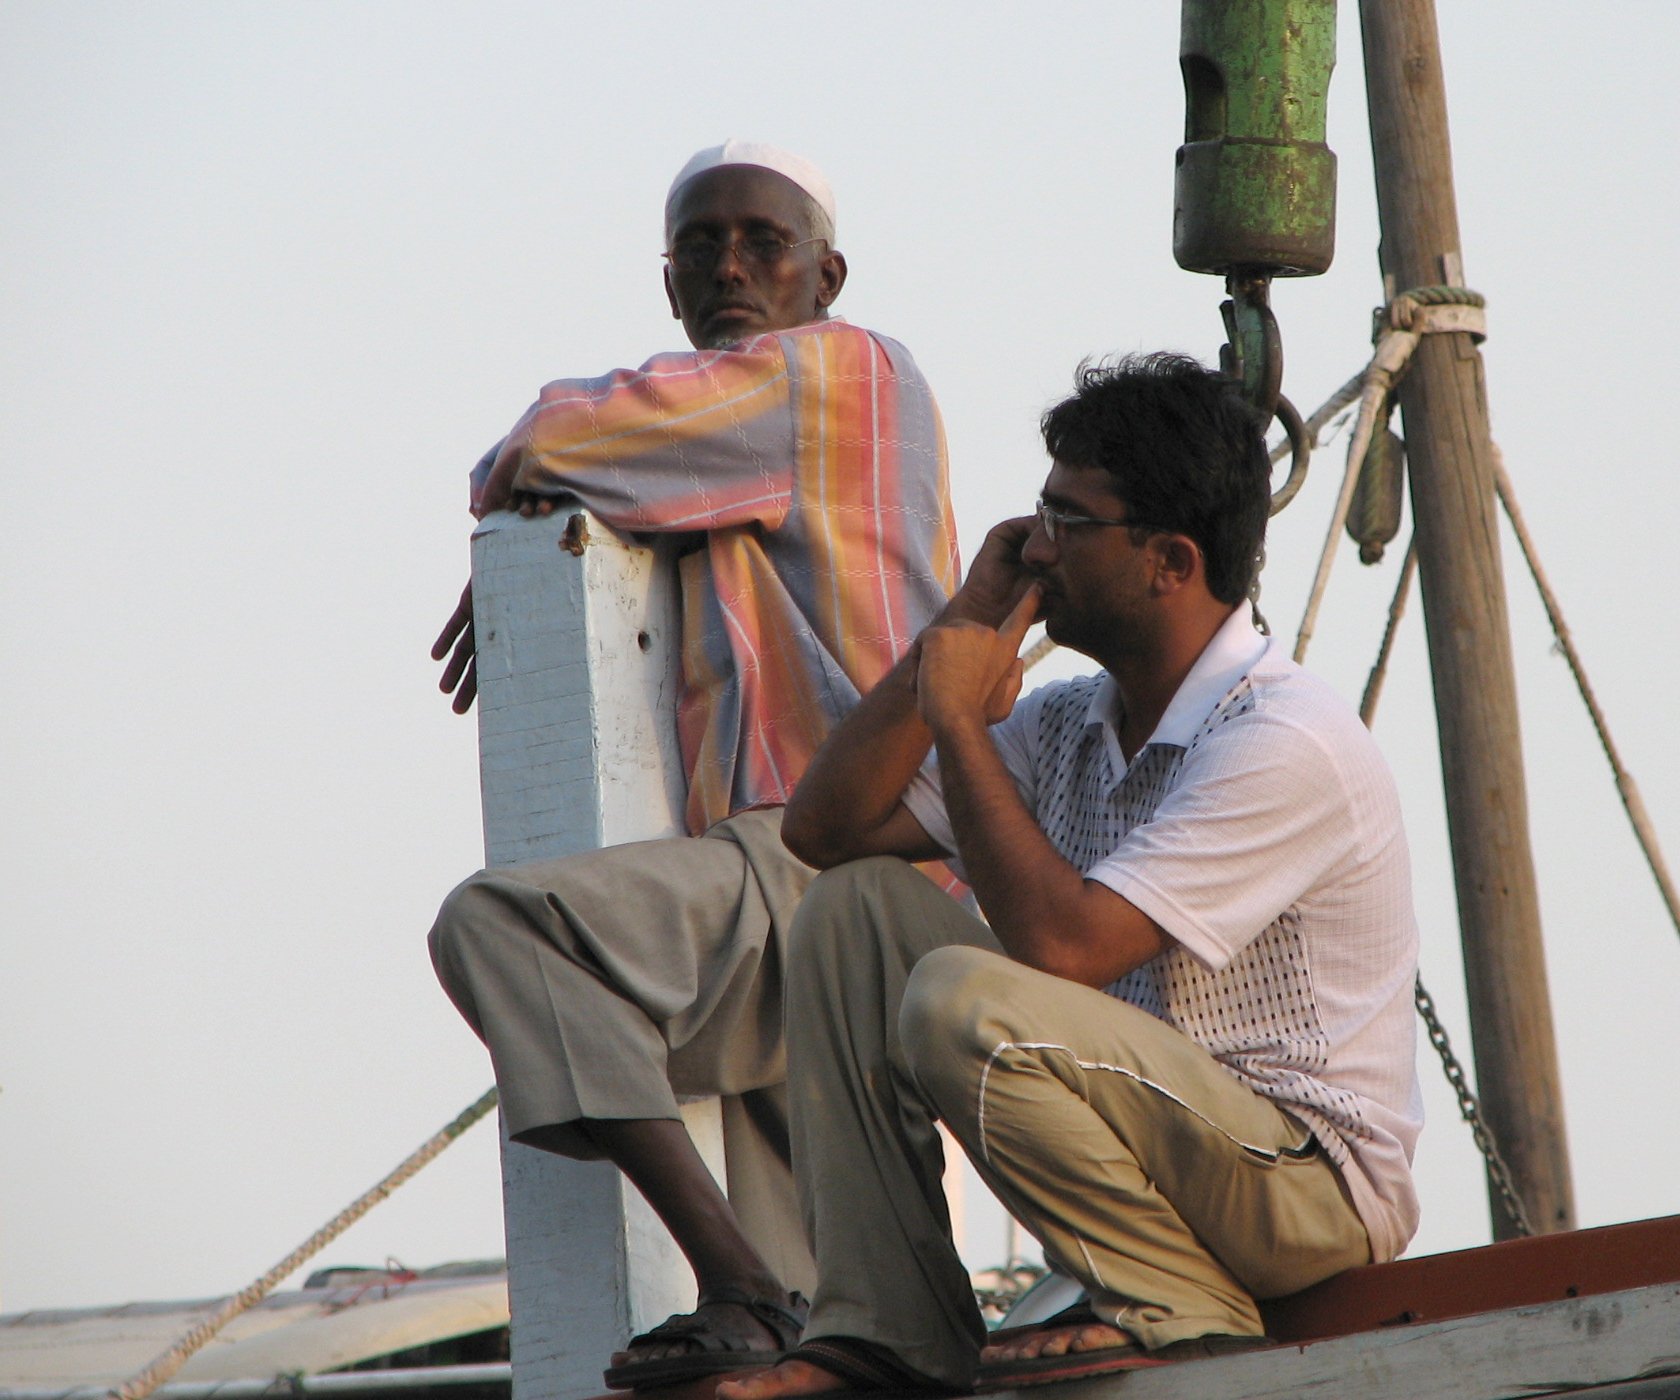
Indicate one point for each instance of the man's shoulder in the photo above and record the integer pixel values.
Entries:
(1300, 713)
(1283, 689)
(834, 327)
(836, 333)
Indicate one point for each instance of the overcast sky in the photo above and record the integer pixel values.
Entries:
(274, 276)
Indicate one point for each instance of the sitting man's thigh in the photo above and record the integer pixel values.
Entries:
(991, 1040)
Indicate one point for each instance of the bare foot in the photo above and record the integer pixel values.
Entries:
(784, 1378)
(1057, 1341)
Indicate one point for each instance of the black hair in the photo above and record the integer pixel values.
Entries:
(1186, 451)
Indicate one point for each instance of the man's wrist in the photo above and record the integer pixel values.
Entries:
(956, 725)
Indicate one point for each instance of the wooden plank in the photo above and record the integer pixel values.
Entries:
(1516, 1273)
(1626, 1338)
(1549, 1349)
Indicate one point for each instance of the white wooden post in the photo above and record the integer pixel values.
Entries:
(578, 638)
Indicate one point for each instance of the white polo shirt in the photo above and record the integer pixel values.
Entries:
(1260, 828)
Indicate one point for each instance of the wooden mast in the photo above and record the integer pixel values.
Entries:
(1444, 402)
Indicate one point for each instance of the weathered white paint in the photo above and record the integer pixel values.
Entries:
(1550, 1349)
(577, 665)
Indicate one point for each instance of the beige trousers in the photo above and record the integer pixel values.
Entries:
(1171, 1191)
(607, 985)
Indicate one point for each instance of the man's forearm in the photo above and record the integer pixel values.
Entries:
(848, 804)
(1017, 875)
(1040, 906)
(855, 782)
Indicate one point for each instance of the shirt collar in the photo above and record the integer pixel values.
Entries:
(1230, 655)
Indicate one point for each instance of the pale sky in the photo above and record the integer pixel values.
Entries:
(275, 275)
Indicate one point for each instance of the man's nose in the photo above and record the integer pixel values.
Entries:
(1038, 551)
(729, 266)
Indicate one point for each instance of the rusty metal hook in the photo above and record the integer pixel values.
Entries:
(1300, 451)
(1253, 352)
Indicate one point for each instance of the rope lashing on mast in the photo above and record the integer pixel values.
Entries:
(166, 1364)
(1399, 327)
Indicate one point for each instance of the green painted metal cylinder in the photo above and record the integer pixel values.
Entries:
(1255, 186)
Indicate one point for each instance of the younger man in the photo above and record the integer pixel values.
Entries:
(1182, 1052)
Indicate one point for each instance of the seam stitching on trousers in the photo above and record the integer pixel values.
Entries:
(1270, 1154)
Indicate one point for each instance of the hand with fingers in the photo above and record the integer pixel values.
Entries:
(461, 674)
(501, 490)
(996, 578)
(968, 672)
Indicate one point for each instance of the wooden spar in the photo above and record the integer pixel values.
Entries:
(578, 636)
(1444, 402)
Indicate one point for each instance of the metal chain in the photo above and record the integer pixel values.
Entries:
(1498, 1172)
(1468, 1105)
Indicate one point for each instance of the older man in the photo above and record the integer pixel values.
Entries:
(1182, 1052)
(805, 460)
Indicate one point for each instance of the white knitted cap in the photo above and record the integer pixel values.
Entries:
(764, 155)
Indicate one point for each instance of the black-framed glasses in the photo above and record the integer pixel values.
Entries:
(763, 249)
(1053, 520)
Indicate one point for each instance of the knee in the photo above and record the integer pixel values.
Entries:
(839, 904)
(950, 1020)
(459, 918)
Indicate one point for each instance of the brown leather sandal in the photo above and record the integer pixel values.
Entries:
(713, 1346)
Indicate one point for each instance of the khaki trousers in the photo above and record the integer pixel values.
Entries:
(1171, 1191)
(610, 984)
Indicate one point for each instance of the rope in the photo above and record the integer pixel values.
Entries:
(1631, 801)
(1326, 411)
(1379, 671)
(1392, 355)
(1400, 325)
(144, 1382)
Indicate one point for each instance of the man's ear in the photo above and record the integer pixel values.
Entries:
(671, 293)
(831, 277)
(1179, 562)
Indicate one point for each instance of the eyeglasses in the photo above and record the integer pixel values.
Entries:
(751, 250)
(1053, 520)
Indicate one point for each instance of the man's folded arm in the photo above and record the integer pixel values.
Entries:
(850, 802)
(691, 441)
(697, 440)
(1039, 904)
